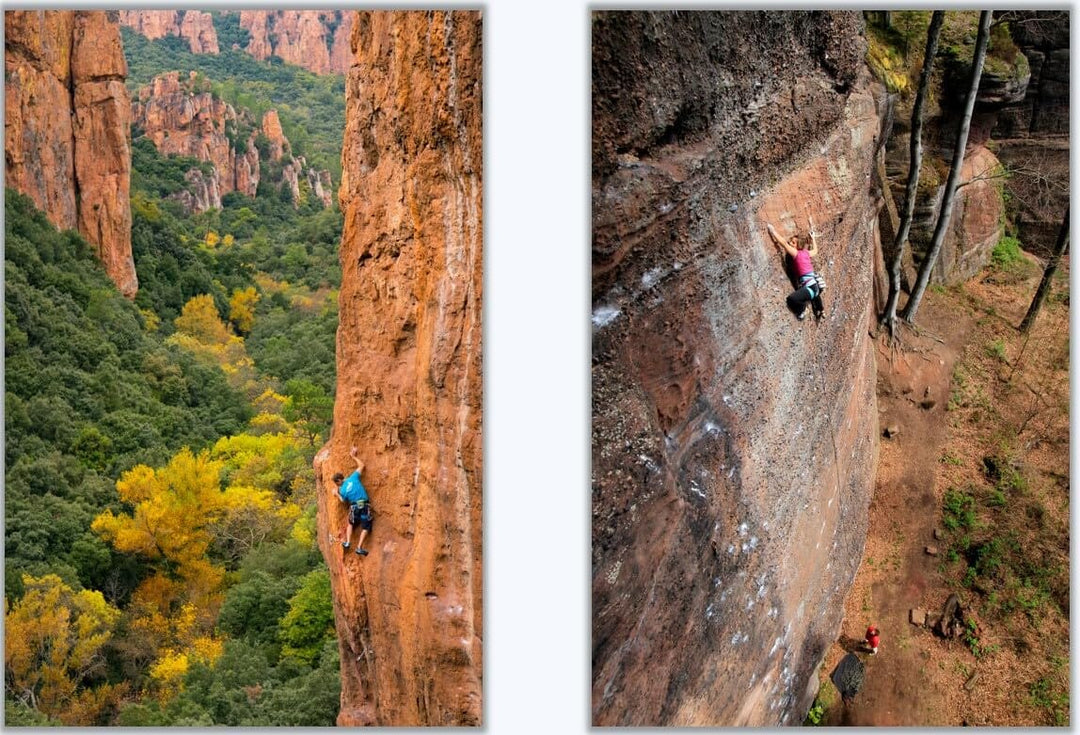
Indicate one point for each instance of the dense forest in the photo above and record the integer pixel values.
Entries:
(160, 559)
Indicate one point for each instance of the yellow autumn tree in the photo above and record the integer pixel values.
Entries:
(259, 471)
(199, 329)
(171, 507)
(173, 511)
(54, 638)
(242, 309)
(200, 319)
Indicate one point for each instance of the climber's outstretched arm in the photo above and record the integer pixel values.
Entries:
(359, 463)
(813, 239)
(781, 241)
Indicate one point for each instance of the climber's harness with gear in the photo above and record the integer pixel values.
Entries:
(361, 512)
(814, 282)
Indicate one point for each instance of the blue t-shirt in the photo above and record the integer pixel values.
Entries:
(352, 490)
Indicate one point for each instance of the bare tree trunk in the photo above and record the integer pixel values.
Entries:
(914, 166)
(949, 199)
(1048, 274)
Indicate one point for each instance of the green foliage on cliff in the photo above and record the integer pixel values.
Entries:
(229, 32)
(161, 175)
(895, 54)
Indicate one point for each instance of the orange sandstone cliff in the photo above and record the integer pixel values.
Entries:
(194, 26)
(409, 615)
(66, 127)
(180, 118)
(317, 40)
(180, 115)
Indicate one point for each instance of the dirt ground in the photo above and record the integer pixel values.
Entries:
(917, 678)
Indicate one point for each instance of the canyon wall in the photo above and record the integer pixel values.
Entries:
(409, 616)
(733, 447)
(66, 127)
(317, 40)
(1033, 133)
(977, 219)
(180, 115)
(194, 26)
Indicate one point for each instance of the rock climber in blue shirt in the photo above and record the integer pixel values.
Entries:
(352, 491)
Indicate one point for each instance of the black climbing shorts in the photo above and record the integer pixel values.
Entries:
(361, 516)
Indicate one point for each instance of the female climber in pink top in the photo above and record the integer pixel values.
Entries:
(810, 284)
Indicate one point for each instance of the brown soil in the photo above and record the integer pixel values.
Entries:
(946, 428)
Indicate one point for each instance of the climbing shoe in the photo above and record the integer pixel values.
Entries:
(801, 315)
(345, 544)
(361, 552)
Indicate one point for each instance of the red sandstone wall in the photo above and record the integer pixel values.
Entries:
(409, 616)
(66, 127)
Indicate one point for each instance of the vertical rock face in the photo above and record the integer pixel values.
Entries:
(1043, 37)
(409, 615)
(733, 446)
(194, 26)
(976, 223)
(66, 127)
(271, 128)
(314, 39)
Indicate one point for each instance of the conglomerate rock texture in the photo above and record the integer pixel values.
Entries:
(733, 446)
(409, 615)
(66, 127)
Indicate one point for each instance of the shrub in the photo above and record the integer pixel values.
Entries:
(1006, 253)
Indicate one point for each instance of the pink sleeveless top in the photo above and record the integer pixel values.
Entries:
(802, 263)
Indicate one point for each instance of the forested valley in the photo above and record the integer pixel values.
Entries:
(160, 556)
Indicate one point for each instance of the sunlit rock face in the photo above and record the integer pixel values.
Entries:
(317, 40)
(194, 26)
(66, 127)
(409, 615)
(733, 447)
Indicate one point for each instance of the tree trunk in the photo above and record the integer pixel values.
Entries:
(914, 165)
(949, 198)
(1048, 274)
